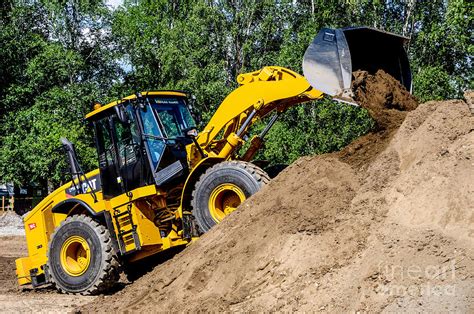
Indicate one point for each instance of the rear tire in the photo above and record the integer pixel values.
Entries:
(81, 258)
(222, 188)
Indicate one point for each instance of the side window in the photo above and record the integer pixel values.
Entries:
(133, 126)
(186, 116)
(106, 148)
(150, 126)
(125, 143)
(153, 135)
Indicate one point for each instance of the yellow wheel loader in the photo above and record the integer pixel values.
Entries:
(161, 183)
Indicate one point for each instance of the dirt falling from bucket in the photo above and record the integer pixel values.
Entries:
(388, 103)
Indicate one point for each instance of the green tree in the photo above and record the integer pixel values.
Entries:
(441, 48)
(56, 62)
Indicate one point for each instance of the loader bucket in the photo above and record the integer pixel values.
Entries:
(335, 53)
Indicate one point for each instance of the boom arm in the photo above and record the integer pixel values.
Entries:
(271, 89)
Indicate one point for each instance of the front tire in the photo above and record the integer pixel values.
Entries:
(222, 188)
(81, 258)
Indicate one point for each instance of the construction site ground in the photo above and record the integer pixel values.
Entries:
(14, 299)
(386, 224)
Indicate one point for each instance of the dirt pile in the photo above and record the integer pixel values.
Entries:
(11, 247)
(355, 230)
(469, 96)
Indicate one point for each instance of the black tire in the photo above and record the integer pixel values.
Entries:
(102, 272)
(246, 176)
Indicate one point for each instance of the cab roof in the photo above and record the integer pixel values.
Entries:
(148, 93)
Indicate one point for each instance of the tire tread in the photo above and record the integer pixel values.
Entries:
(109, 274)
(256, 172)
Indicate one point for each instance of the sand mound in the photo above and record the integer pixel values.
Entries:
(356, 230)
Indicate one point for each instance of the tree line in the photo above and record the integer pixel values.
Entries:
(58, 57)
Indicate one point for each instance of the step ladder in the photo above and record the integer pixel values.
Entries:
(126, 230)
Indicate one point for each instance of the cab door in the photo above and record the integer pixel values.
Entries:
(133, 166)
(121, 161)
(108, 162)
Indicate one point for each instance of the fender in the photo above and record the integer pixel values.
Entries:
(104, 216)
(65, 206)
(193, 177)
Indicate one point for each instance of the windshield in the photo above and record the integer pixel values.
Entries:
(163, 119)
(172, 114)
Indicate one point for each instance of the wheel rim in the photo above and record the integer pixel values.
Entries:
(75, 256)
(225, 199)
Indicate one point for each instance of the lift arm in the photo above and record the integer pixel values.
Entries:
(271, 89)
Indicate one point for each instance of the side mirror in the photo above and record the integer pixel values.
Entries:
(140, 100)
(191, 132)
(121, 114)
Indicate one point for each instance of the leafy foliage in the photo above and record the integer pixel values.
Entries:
(59, 56)
(320, 127)
(52, 74)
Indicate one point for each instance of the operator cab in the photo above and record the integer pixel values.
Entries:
(141, 140)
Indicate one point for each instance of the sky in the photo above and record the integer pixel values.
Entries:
(114, 3)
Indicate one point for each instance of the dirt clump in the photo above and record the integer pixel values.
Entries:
(351, 231)
(384, 97)
(388, 103)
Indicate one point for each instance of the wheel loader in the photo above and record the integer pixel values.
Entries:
(161, 183)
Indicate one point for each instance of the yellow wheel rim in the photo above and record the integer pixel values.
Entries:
(75, 256)
(225, 199)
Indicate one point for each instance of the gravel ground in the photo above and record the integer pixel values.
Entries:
(11, 224)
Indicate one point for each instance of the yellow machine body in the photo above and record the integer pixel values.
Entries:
(42, 221)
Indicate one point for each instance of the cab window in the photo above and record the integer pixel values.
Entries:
(125, 143)
(173, 114)
(153, 136)
(169, 121)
